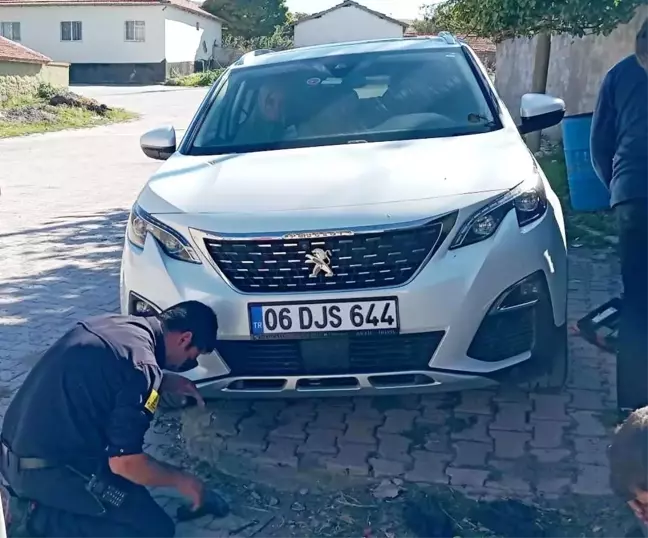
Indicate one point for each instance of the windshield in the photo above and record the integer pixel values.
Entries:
(371, 97)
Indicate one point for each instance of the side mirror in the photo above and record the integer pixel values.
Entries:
(159, 143)
(540, 111)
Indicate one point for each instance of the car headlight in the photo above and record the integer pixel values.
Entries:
(140, 224)
(529, 201)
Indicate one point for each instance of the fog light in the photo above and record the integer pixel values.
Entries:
(524, 294)
(138, 306)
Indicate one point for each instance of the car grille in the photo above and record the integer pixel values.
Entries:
(360, 261)
(504, 335)
(336, 355)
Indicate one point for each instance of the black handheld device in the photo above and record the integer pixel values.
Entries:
(213, 505)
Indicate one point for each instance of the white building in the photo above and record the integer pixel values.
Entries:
(348, 21)
(115, 41)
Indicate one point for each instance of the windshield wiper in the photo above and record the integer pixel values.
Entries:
(484, 120)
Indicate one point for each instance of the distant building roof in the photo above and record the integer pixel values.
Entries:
(479, 44)
(10, 51)
(185, 5)
(352, 3)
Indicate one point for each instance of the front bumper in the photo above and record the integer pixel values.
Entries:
(447, 339)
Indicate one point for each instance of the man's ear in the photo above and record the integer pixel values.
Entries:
(185, 339)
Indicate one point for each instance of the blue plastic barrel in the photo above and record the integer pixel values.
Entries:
(586, 191)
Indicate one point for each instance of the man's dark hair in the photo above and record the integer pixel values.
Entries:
(194, 317)
(641, 42)
(628, 456)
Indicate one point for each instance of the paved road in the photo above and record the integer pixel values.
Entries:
(65, 198)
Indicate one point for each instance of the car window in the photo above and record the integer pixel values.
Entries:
(340, 99)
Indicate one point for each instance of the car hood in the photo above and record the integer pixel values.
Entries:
(415, 177)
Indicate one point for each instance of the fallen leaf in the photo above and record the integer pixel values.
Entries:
(386, 490)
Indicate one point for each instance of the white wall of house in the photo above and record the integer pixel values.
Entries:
(344, 24)
(190, 37)
(169, 33)
(103, 32)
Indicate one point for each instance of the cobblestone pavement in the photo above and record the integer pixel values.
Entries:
(65, 197)
(496, 443)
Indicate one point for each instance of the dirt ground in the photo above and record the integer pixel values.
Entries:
(386, 508)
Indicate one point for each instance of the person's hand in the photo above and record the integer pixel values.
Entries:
(181, 386)
(639, 510)
(193, 489)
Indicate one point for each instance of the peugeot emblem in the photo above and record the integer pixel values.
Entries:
(321, 261)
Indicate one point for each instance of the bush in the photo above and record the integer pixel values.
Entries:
(46, 90)
(279, 40)
(205, 78)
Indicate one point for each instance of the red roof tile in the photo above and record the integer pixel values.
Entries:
(185, 5)
(10, 51)
(478, 44)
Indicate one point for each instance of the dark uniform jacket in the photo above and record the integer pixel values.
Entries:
(91, 396)
(619, 137)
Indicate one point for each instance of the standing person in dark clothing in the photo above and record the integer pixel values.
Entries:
(619, 147)
(72, 438)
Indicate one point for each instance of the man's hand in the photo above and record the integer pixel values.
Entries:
(640, 510)
(193, 489)
(146, 471)
(180, 386)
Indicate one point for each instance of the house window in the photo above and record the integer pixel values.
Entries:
(71, 31)
(10, 30)
(134, 31)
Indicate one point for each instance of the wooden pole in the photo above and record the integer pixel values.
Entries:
(539, 81)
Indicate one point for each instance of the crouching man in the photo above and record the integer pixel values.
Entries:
(72, 438)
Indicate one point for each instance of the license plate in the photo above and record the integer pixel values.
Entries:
(324, 317)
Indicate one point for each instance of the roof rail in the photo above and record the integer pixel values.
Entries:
(448, 38)
(253, 54)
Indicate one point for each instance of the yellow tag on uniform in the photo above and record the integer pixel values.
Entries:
(152, 402)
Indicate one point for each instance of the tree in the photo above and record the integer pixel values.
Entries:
(277, 41)
(297, 16)
(504, 19)
(427, 25)
(249, 18)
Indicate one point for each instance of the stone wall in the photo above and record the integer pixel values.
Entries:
(226, 56)
(17, 78)
(576, 70)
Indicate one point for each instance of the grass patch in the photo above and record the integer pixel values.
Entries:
(205, 78)
(590, 228)
(30, 115)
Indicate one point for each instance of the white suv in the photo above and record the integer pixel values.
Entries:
(364, 218)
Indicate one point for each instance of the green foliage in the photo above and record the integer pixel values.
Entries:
(428, 24)
(503, 19)
(280, 39)
(296, 17)
(206, 78)
(47, 91)
(248, 19)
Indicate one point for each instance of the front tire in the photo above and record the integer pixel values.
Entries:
(556, 373)
(548, 367)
